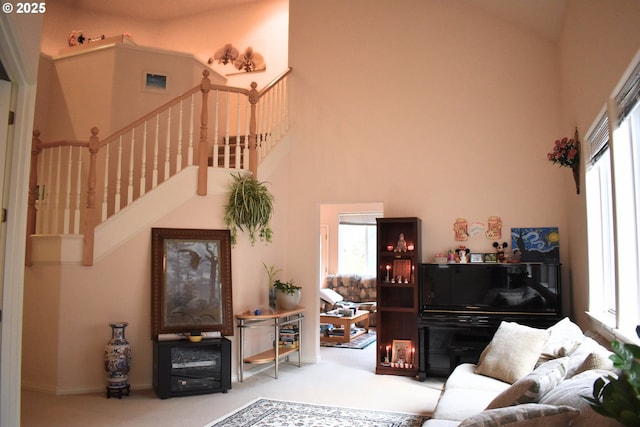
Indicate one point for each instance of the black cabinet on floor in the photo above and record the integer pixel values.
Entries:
(184, 368)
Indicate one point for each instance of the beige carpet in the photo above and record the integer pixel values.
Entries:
(341, 378)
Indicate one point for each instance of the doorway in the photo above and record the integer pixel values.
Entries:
(347, 240)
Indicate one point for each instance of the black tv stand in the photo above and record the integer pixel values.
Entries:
(184, 368)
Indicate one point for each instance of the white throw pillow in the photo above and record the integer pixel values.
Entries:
(564, 337)
(512, 352)
(330, 296)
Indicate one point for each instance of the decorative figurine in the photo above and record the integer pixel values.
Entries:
(462, 254)
(500, 250)
(401, 246)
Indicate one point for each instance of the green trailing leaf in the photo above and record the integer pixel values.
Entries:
(250, 208)
(619, 397)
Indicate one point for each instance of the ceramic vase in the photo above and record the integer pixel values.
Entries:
(117, 361)
(286, 301)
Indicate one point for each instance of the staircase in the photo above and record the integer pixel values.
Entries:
(77, 187)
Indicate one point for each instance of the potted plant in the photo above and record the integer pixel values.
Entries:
(287, 294)
(271, 272)
(195, 334)
(250, 207)
(619, 397)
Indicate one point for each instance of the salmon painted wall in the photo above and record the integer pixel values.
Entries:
(437, 110)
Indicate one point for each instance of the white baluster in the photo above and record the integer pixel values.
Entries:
(76, 213)
(226, 134)
(55, 228)
(238, 147)
(190, 154)
(131, 165)
(116, 208)
(179, 156)
(40, 189)
(47, 197)
(143, 171)
(245, 151)
(154, 182)
(216, 145)
(105, 196)
(167, 160)
(67, 194)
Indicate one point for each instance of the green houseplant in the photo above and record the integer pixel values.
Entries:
(250, 207)
(287, 294)
(619, 397)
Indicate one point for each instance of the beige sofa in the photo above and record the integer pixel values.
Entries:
(527, 377)
(339, 288)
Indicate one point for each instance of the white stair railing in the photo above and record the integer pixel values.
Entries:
(68, 176)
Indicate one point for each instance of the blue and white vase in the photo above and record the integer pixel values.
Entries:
(117, 361)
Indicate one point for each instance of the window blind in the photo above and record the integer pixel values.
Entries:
(364, 218)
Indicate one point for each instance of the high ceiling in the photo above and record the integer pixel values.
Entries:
(543, 17)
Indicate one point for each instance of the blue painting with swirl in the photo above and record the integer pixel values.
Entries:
(537, 244)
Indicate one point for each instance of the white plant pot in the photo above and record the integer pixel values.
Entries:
(285, 301)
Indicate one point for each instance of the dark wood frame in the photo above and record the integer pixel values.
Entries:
(185, 293)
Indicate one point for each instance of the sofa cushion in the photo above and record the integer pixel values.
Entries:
(512, 352)
(570, 392)
(589, 353)
(533, 386)
(459, 403)
(528, 414)
(464, 376)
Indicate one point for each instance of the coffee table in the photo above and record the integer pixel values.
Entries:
(345, 322)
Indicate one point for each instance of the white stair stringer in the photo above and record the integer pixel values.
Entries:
(138, 216)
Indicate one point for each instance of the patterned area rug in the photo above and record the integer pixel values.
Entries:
(359, 342)
(279, 413)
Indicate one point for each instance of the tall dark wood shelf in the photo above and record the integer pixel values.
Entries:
(397, 293)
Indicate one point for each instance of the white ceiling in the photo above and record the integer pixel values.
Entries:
(543, 17)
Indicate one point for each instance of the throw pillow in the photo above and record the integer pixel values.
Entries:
(534, 385)
(529, 414)
(571, 391)
(512, 352)
(564, 337)
(330, 296)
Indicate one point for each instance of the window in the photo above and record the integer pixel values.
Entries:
(357, 243)
(613, 206)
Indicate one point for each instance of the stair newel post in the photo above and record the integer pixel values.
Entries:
(36, 149)
(90, 213)
(254, 96)
(203, 163)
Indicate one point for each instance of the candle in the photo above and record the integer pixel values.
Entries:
(413, 353)
(388, 269)
(410, 247)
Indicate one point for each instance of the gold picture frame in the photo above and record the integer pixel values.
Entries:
(401, 351)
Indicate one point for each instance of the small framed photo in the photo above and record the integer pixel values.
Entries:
(476, 258)
(490, 257)
(154, 82)
(401, 351)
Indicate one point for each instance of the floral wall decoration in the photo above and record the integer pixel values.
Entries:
(566, 153)
(247, 62)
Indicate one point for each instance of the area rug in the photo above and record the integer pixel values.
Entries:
(358, 343)
(279, 413)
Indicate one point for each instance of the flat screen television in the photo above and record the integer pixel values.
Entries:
(490, 287)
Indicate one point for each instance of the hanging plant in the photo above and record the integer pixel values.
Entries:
(250, 208)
